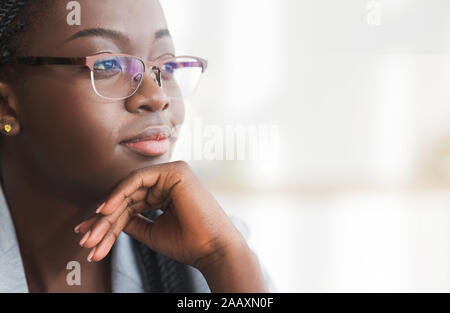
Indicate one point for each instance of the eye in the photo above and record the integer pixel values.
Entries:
(168, 70)
(108, 65)
(169, 67)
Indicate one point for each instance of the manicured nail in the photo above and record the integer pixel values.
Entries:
(77, 228)
(85, 237)
(91, 254)
(100, 207)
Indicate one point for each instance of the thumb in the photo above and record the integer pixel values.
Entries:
(140, 228)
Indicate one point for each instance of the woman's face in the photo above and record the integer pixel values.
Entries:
(68, 132)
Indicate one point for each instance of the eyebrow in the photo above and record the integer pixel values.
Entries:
(162, 33)
(113, 34)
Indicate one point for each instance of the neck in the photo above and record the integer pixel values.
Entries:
(44, 218)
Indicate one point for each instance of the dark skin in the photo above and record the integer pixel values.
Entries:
(63, 158)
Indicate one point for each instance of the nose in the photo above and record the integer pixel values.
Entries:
(149, 97)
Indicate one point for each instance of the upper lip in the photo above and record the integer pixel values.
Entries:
(151, 133)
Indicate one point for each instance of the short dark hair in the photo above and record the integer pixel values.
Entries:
(10, 25)
(16, 16)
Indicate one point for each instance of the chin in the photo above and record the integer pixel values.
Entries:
(165, 158)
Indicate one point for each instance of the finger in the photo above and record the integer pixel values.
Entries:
(101, 225)
(140, 228)
(105, 223)
(104, 246)
(84, 226)
(147, 177)
(99, 228)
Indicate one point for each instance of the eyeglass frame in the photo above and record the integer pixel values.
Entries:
(89, 62)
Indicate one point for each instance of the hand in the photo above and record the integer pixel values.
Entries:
(193, 228)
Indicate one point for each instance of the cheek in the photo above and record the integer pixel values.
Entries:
(68, 131)
(177, 112)
(70, 128)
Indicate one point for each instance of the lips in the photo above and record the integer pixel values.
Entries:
(153, 141)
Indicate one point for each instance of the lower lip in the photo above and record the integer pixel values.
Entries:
(150, 147)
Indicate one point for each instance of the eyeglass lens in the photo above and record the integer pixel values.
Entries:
(119, 77)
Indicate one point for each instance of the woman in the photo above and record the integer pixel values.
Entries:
(74, 98)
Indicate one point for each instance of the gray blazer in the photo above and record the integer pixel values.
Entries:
(126, 269)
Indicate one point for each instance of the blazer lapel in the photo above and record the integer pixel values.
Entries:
(12, 274)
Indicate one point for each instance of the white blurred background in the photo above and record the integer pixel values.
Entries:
(359, 92)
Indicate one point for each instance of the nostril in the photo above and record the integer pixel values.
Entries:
(154, 107)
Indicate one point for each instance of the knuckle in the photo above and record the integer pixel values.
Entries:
(129, 201)
(182, 166)
(134, 175)
(135, 172)
(137, 175)
(111, 235)
(181, 171)
(107, 222)
(131, 210)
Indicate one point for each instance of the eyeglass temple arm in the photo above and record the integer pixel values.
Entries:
(48, 60)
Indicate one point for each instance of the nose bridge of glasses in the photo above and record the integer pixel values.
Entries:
(154, 71)
(155, 77)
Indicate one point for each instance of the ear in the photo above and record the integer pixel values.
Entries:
(8, 110)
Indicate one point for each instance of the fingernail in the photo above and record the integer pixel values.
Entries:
(91, 254)
(85, 237)
(77, 229)
(100, 207)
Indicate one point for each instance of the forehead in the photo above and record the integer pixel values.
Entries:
(139, 20)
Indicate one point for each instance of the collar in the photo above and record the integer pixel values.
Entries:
(126, 271)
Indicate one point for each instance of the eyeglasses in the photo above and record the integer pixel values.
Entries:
(119, 76)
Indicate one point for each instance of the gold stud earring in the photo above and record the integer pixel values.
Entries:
(8, 128)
